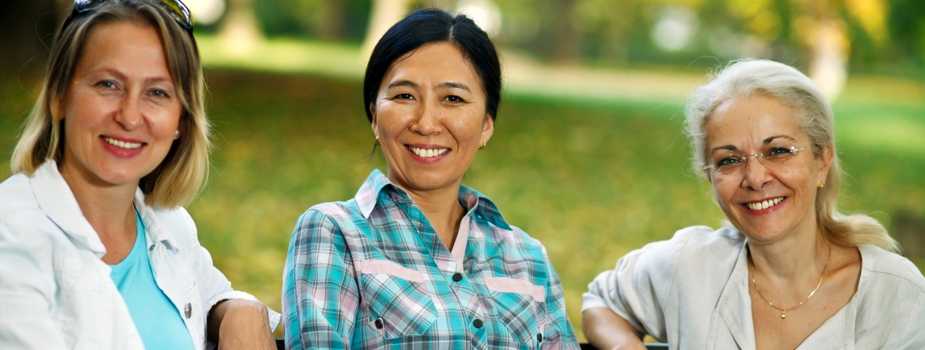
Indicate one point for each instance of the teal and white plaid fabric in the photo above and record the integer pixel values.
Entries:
(372, 273)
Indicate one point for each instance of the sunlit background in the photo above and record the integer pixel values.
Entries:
(588, 154)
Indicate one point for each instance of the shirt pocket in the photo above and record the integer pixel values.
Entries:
(520, 306)
(397, 301)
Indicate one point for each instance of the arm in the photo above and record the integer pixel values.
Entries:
(607, 330)
(26, 293)
(240, 324)
(320, 292)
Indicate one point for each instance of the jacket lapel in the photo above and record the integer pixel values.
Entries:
(55, 198)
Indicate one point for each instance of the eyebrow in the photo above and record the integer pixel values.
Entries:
(411, 84)
(121, 76)
(766, 141)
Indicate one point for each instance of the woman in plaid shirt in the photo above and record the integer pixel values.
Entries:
(416, 259)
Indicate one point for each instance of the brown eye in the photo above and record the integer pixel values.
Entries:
(455, 99)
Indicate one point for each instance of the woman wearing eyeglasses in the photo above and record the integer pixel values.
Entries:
(790, 271)
(96, 251)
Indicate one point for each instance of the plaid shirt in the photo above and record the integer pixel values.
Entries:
(372, 273)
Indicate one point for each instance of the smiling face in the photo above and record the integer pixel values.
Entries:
(429, 117)
(121, 110)
(772, 198)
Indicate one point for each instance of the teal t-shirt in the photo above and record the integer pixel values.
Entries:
(157, 320)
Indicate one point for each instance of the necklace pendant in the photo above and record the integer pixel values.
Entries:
(783, 315)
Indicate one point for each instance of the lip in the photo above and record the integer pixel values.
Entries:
(427, 160)
(119, 151)
(767, 210)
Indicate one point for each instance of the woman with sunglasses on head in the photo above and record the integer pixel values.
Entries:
(96, 251)
(416, 259)
(789, 271)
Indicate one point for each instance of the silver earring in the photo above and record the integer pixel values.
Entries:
(176, 134)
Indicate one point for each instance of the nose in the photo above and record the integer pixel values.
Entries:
(756, 174)
(428, 121)
(129, 115)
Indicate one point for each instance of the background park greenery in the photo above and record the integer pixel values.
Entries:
(588, 154)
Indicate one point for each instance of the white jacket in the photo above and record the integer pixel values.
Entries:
(56, 292)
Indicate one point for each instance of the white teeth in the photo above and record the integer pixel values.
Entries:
(428, 152)
(765, 204)
(122, 144)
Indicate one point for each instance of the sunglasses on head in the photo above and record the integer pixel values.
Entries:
(175, 8)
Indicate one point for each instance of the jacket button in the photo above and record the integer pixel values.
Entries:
(477, 323)
(188, 310)
(457, 277)
(378, 323)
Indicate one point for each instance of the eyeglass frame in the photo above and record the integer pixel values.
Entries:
(713, 169)
(176, 9)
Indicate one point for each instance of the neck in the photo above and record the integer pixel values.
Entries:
(442, 209)
(108, 208)
(794, 264)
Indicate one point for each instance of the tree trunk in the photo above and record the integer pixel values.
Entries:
(240, 33)
(384, 14)
(828, 51)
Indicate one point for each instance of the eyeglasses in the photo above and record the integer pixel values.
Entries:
(729, 162)
(175, 8)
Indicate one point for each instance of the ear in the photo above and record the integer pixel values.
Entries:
(56, 107)
(373, 120)
(488, 129)
(825, 162)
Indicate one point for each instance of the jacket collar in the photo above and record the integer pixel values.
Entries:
(735, 303)
(56, 199)
(368, 196)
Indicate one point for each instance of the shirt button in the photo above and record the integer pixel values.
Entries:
(379, 323)
(477, 323)
(188, 310)
(457, 277)
(539, 337)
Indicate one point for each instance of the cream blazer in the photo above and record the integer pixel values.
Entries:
(692, 292)
(56, 292)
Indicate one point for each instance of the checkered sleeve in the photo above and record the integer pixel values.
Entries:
(320, 292)
(558, 319)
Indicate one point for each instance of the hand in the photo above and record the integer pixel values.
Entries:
(240, 324)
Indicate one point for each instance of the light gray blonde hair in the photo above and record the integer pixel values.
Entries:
(792, 88)
(183, 172)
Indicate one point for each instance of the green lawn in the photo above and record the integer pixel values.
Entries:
(592, 179)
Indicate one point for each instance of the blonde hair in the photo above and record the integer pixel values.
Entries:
(792, 88)
(184, 170)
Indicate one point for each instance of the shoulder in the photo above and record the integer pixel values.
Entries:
(891, 270)
(16, 196)
(177, 223)
(697, 242)
(21, 218)
(327, 213)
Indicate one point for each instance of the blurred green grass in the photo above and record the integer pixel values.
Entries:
(591, 178)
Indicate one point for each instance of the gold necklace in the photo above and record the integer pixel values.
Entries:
(784, 310)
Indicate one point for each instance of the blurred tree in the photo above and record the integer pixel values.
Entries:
(906, 28)
(29, 27)
(384, 14)
(239, 32)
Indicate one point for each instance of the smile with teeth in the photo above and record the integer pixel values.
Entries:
(122, 144)
(428, 152)
(765, 204)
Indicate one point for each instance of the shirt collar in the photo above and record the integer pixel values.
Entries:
(368, 196)
(57, 200)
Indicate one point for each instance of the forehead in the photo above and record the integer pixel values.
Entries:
(748, 120)
(435, 62)
(130, 46)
